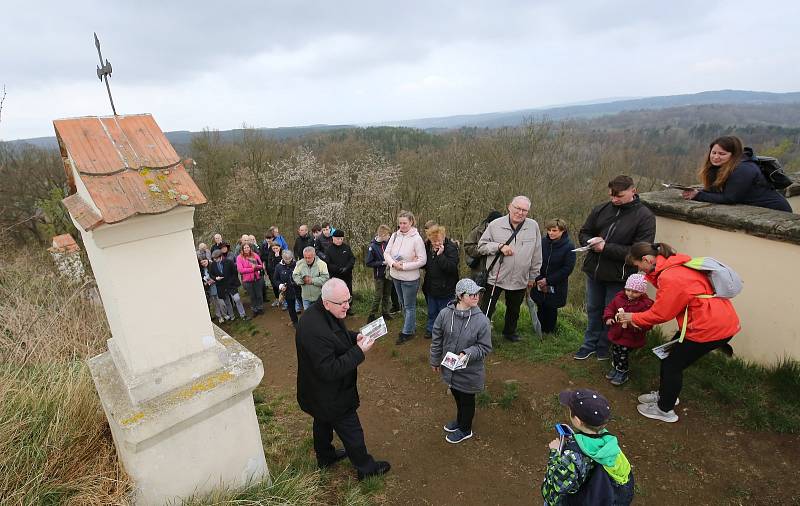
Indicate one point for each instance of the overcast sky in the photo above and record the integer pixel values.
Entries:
(224, 63)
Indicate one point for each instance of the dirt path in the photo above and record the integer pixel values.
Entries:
(403, 406)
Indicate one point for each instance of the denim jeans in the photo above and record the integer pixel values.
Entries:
(307, 303)
(599, 294)
(407, 292)
(233, 298)
(435, 304)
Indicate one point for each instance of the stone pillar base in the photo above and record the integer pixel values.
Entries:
(192, 439)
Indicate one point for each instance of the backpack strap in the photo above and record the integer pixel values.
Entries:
(686, 314)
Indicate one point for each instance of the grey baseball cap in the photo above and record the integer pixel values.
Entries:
(467, 286)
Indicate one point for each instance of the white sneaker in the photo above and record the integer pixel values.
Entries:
(652, 411)
(221, 320)
(652, 398)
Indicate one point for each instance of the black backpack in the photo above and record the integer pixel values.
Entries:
(771, 169)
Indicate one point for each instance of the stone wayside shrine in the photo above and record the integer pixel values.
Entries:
(176, 389)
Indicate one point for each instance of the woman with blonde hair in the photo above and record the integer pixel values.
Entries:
(404, 256)
(730, 176)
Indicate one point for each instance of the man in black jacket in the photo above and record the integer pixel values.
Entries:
(302, 241)
(611, 228)
(340, 259)
(328, 356)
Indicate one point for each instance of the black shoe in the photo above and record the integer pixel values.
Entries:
(386, 316)
(381, 467)
(339, 454)
(513, 338)
(394, 310)
(244, 318)
(726, 349)
(428, 335)
(403, 338)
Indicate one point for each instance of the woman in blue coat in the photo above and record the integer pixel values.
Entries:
(729, 176)
(552, 284)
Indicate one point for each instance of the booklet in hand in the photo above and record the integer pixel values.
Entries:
(375, 329)
(454, 362)
(674, 186)
(662, 351)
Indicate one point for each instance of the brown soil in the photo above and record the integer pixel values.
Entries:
(404, 405)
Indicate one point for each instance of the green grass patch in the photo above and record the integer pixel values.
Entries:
(510, 394)
(483, 399)
(531, 348)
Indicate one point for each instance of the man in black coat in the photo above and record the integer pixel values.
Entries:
(303, 240)
(612, 228)
(328, 356)
(340, 259)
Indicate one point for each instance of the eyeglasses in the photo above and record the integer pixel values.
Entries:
(348, 302)
(520, 209)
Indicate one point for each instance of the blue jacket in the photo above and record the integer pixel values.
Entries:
(746, 185)
(374, 258)
(558, 261)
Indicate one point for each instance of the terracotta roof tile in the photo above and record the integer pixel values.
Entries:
(64, 243)
(127, 165)
(82, 212)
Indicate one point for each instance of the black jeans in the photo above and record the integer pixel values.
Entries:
(349, 430)
(680, 357)
(513, 302)
(290, 307)
(548, 316)
(465, 409)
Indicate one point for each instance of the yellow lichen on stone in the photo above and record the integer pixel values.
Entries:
(204, 385)
(132, 419)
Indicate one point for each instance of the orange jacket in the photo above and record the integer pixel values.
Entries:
(709, 319)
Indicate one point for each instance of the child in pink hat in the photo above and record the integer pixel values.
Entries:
(626, 337)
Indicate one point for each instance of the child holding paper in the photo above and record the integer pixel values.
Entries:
(461, 328)
(625, 337)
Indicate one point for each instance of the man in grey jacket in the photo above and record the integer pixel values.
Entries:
(518, 264)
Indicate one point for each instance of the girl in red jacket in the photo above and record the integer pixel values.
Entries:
(711, 322)
(625, 337)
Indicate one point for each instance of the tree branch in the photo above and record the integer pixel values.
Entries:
(2, 99)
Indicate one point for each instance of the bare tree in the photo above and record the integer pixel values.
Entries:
(2, 101)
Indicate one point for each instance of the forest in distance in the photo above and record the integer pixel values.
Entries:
(357, 178)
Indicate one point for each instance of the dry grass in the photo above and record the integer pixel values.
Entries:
(55, 446)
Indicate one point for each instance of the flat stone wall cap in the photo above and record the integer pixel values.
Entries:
(757, 221)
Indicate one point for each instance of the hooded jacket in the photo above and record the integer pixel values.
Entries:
(441, 271)
(558, 262)
(327, 362)
(468, 331)
(250, 270)
(708, 319)
(621, 227)
(374, 258)
(407, 248)
(515, 271)
(630, 336)
(746, 185)
(591, 470)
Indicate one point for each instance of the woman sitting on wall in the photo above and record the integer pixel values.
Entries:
(730, 177)
(711, 322)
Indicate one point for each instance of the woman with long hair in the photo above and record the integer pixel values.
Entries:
(683, 294)
(729, 176)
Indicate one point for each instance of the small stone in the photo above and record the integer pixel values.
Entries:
(395, 432)
(381, 402)
(730, 433)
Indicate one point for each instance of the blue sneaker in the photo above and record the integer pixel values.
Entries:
(451, 426)
(603, 355)
(457, 436)
(620, 378)
(583, 354)
(610, 374)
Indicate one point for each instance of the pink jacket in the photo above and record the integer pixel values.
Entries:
(250, 272)
(409, 249)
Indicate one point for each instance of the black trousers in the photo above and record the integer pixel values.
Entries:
(548, 316)
(465, 409)
(347, 278)
(290, 307)
(513, 302)
(349, 430)
(680, 357)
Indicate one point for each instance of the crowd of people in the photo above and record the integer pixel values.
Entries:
(506, 254)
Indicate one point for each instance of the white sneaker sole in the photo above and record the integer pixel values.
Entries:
(460, 440)
(652, 399)
(448, 430)
(655, 416)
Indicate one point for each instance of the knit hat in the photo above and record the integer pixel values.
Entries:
(338, 233)
(467, 286)
(590, 406)
(637, 283)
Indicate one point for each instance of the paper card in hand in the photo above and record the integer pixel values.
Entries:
(375, 329)
(663, 350)
(455, 362)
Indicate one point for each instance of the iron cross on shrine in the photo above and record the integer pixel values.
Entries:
(103, 71)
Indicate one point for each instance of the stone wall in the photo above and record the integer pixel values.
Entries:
(763, 246)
